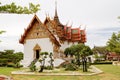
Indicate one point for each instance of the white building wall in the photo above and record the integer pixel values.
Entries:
(44, 44)
(66, 45)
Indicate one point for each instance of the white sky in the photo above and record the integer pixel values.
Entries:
(100, 16)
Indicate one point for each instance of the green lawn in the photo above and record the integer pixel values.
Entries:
(7, 70)
(110, 73)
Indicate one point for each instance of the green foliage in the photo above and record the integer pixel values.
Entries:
(10, 65)
(9, 51)
(32, 67)
(43, 56)
(2, 31)
(86, 51)
(80, 51)
(48, 67)
(44, 53)
(71, 67)
(67, 51)
(101, 62)
(51, 61)
(8, 56)
(13, 8)
(3, 62)
(113, 43)
(17, 65)
(110, 73)
(102, 50)
(17, 57)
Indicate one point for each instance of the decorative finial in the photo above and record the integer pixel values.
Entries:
(71, 23)
(67, 23)
(80, 26)
(46, 13)
(56, 8)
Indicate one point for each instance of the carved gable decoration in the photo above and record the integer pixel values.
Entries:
(50, 25)
(35, 29)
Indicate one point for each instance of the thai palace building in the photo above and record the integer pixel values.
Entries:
(48, 36)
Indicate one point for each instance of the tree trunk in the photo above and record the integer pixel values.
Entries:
(41, 69)
(85, 64)
(78, 60)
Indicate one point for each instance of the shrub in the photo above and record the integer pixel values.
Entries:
(48, 67)
(102, 62)
(32, 67)
(3, 62)
(17, 65)
(63, 65)
(71, 67)
(10, 65)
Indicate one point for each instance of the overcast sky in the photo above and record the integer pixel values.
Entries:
(99, 17)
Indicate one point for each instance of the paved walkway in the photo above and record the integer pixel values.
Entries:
(93, 71)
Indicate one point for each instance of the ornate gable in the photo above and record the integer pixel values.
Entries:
(37, 29)
(50, 25)
(34, 30)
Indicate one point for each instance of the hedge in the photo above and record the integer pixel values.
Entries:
(102, 62)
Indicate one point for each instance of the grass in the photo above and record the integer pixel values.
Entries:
(7, 70)
(110, 73)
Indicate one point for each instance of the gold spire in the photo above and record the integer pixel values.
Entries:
(56, 15)
(56, 18)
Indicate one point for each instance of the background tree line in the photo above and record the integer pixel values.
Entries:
(10, 58)
(112, 46)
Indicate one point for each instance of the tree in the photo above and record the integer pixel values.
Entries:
(16, 58)
(67, 51)
(13, 8)
(43, 56)
(100, 52)
(80, 51)
(9, 56)
(86, 51)
(9, 51)
(75, 49)
(113, 44)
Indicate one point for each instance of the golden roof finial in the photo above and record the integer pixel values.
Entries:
(56, 8)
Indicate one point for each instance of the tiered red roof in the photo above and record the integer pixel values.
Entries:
(74, 34)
